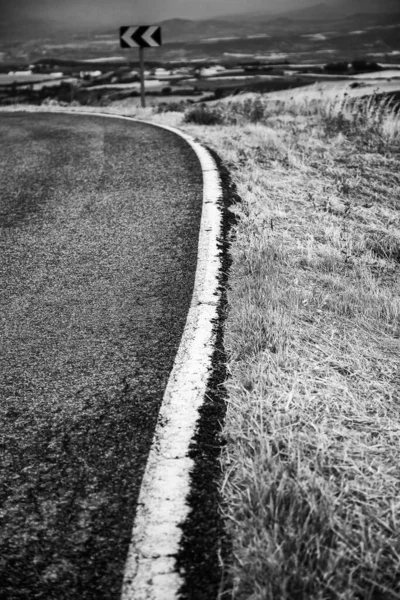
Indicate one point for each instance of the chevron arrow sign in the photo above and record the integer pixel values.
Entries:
(143, 36)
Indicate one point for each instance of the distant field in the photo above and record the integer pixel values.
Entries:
(387, 74)
(37, 78)
(330, 90)
(9, 79)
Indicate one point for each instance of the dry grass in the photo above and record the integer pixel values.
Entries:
(311, 466)
(311, 469)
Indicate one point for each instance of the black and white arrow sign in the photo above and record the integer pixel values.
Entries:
(143, 36)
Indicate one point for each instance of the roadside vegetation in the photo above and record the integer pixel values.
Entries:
(311, 480)
(311, 466)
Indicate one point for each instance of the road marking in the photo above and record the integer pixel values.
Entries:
(150, 567)
(150, 570)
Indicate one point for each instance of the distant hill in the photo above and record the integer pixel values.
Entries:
(344, 8)
(339, 16)
(23, 28)
(361, 12)
(320, 11)
(347, 7)
(186, 29)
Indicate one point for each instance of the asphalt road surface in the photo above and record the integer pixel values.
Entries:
(99, 223)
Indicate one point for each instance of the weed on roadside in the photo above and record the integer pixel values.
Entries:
(202, 114)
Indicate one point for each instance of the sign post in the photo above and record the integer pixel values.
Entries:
(142, 90)
(143, 36)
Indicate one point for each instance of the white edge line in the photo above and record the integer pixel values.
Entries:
(150, 569)
(150, 572)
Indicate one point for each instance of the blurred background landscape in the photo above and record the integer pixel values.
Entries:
(48, 54)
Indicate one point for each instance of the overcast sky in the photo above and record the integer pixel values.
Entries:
(113, 12)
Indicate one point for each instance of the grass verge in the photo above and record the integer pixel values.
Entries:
(311, 477)
(311, 484)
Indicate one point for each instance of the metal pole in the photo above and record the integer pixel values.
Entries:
(142, 92)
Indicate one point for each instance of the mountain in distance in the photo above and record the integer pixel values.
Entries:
(343, 15)
(344, 8)
(314, 12)
(185, 30)
(324, 10)
(348, 7)
(181, 29)
(26, 28)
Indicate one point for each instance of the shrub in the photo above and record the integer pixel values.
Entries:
(338, 67)
(254, 109)
(384, 245)
(201, 114)
(364, 65)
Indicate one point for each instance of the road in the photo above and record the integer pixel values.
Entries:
(99, 223)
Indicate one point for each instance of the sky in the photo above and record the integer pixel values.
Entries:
(114, 12)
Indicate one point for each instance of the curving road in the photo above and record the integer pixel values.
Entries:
(99, 223)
